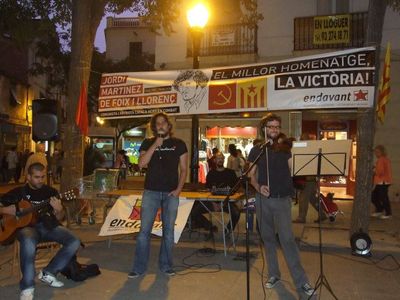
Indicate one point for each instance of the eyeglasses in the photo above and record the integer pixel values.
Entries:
(273, 127)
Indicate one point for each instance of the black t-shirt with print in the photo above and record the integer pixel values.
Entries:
(162, 171)
(35, 197)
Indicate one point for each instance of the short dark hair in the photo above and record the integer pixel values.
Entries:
(37, 166)
(232, 149)
(153, 120)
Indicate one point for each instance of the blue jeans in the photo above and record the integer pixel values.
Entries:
(29, 237)
(151, 202)
(275, 214)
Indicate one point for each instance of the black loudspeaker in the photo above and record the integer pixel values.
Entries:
(44, 120)
(361, 244)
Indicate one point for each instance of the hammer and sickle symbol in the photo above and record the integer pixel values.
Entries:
(225, 99)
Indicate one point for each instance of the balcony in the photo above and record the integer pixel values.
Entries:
(124, 22)
(306, 37)
(231, 39)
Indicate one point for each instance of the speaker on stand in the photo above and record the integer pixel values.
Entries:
(44, 120)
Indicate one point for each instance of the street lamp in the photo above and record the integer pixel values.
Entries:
(197, 17)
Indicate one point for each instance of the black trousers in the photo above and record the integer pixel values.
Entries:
(380, 199)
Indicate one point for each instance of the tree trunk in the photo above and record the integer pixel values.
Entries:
(366, 120)
(86, 16)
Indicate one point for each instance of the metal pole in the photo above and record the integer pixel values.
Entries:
(194, 175)
(194, 167)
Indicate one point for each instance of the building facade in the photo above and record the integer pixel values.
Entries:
(287, 30)
(18, 87)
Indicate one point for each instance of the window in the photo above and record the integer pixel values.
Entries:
(329, 7)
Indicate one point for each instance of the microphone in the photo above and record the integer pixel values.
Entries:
(266, 143)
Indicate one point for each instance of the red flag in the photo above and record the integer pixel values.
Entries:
(81, 118)
(384, 87)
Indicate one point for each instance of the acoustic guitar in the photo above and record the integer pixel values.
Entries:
(26, 215)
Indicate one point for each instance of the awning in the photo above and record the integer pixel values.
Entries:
(232, 132)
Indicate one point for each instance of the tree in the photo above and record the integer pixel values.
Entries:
(77, 21)
(27, 25)
(85, 16)
(366, 120)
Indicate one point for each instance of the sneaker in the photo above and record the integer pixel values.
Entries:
(50, 279)
(27, 294)
(133, 275)
(308, 289)
(384, 217)
(271, 282)
(170, 272)
(376, 214)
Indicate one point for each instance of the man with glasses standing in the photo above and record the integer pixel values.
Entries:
(163, 155)
(272, 180)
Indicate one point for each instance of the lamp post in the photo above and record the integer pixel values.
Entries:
(197, 18)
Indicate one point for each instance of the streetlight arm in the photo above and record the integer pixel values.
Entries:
(196, 41)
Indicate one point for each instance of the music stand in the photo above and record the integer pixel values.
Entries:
(303, 164)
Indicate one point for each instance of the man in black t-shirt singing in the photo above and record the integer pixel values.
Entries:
(47, 229)
(218, 178)
(163, 155)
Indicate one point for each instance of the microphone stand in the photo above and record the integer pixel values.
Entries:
(244, 178)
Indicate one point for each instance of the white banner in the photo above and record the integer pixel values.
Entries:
(124, 217)
(342, 79)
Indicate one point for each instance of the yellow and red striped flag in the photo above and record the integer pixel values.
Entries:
(384, 87)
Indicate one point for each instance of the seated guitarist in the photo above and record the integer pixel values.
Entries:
(46, 229)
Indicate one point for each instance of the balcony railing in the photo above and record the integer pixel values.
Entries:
(226, 40)
(304, 33)
(124, 22)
